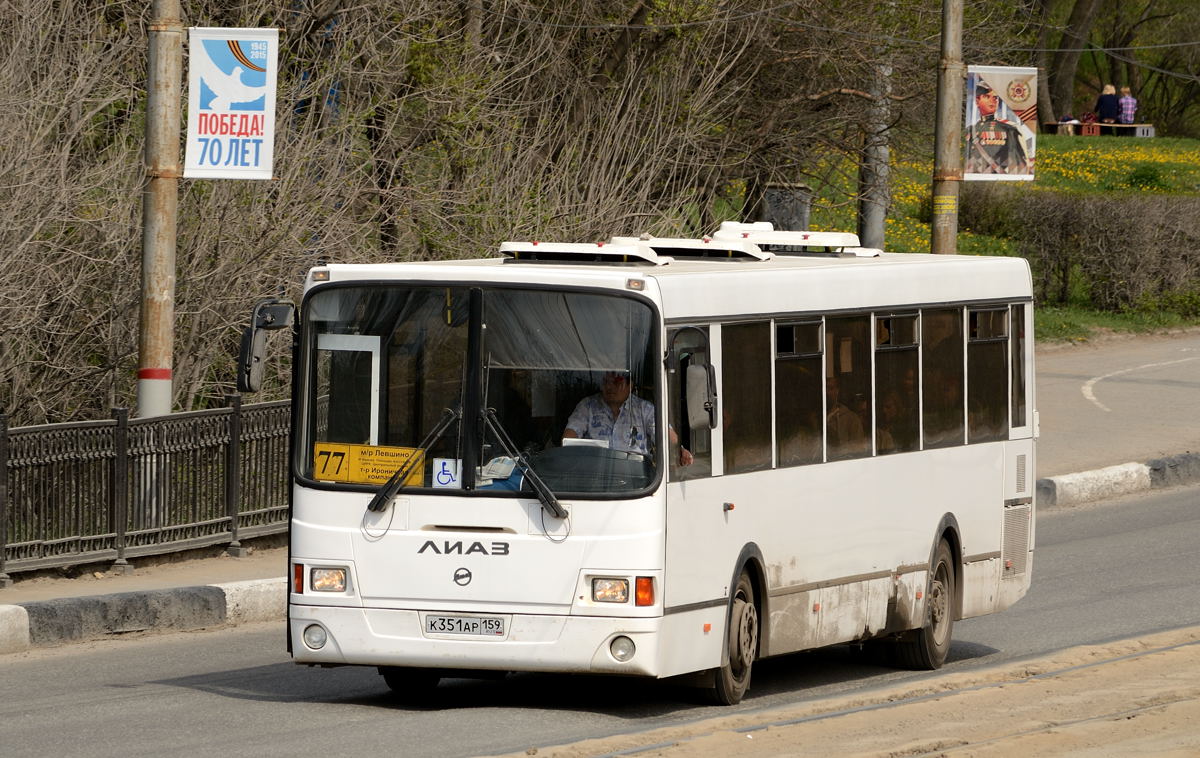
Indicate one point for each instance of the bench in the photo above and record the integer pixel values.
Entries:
(1123, 130)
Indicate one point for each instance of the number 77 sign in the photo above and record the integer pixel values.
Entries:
(365, 464)
(231, 103)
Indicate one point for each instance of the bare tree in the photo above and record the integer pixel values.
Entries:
(406, 130)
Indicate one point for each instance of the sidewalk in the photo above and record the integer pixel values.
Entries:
(207, 592)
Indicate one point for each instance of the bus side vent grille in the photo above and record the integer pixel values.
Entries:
(1015, 552)
(1020, 473)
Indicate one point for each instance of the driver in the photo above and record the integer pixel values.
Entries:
(624, 420)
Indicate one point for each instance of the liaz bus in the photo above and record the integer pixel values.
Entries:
(654, 457)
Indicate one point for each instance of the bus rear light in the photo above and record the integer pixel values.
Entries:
(610, 590)
(328, 580)
(298, 578)
(644, 591)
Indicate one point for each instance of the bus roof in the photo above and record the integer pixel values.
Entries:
(691, 282)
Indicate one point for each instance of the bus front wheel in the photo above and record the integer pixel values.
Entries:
(926, 648)
(731, 680)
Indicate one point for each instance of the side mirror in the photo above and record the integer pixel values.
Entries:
(701, 394)
(268, 315)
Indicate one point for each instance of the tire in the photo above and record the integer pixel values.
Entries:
(926, 648)
(410, 684)
(730, 681)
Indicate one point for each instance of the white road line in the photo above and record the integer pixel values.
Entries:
(1090, 395)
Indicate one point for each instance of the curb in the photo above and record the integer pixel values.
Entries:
(1122, 479)
(55, 622)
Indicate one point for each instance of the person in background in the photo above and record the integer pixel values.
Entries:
(1107, 106)
(1128, 106)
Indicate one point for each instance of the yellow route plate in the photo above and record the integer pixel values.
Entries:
(364, 464)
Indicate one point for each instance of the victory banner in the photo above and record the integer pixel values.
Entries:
(231, 103)
(1001, 124)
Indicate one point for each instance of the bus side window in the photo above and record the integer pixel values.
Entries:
(987, 375)
(798, 391)
(942, 376)
(897, 417)
(848, 387)
(1017, 350)
(746, 375)
(690, 347)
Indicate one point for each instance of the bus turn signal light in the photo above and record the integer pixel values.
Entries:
(644, 591)
(298, 578)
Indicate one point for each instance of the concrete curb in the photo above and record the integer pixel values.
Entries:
(1122, 479)
(55, 622)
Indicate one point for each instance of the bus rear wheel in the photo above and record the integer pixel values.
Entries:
(410, 684)
(926, 648)
(731, 680)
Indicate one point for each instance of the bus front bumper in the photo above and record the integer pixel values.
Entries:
(387, 637)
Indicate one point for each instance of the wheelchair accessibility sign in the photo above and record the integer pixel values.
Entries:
(446, 472)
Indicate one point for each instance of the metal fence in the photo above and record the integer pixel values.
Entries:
(121, 488)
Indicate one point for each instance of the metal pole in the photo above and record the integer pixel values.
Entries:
(233, 475)
(119, 494)
(948, 153)
(5, 579)
(159, 203)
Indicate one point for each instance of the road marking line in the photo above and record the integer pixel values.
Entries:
(1088, 386)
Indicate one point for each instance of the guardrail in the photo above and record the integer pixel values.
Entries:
(110, 490)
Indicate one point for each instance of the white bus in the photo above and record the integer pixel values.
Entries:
(655, 457)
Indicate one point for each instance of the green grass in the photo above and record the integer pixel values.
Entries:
(1120, 164)
(1075, 323)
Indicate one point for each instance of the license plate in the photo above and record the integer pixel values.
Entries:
(483, 626)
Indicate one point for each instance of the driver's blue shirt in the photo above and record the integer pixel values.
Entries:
(631, 430)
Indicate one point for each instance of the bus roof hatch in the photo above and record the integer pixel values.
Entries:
(764, 235)
(705, 248)
(580, 252)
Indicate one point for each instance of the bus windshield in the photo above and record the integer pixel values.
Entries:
(560, 382)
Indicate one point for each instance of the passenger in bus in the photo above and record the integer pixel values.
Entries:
(843, 427)
(615, 415)
(943, 409)
(893, 434)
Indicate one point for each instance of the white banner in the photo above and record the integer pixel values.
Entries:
(1002, 123)
(231, 103)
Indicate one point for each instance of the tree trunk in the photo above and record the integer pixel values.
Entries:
(1066, 59)
(1046, 110)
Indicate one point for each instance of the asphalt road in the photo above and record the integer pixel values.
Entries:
(1102, 572)
(1117, 401)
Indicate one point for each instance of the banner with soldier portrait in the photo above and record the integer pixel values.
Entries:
(1001, 125)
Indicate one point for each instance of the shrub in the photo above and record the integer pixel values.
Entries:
(1122, 251)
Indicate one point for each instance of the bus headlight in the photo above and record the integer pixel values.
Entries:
(328, 580)
(622, 648)
(610, 590)
(315, 636)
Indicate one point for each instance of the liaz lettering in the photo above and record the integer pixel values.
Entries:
(461, 548)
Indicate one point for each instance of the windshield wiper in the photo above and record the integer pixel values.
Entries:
(544, 495)
(396, 482)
